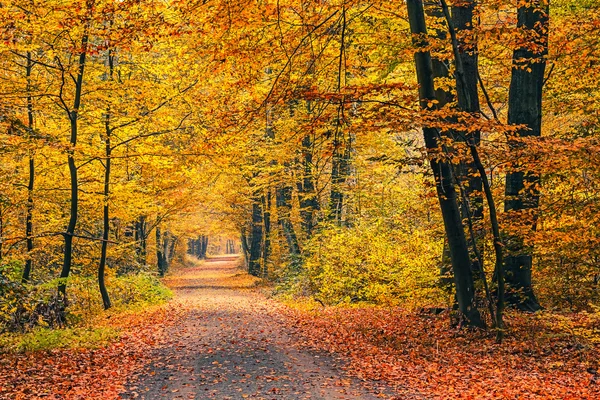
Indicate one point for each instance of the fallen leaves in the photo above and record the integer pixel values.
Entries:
(421, 353)
(87, 373)
(225, 342)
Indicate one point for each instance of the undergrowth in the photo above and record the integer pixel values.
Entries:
(28, 317)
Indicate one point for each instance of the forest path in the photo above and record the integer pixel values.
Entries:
(234, 344)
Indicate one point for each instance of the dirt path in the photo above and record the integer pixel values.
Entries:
(233, 344)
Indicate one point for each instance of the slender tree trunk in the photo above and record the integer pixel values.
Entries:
(106, 194)
(266, 202)
(140, 239)
(159, 253)
(105, 220)
(471, 206)
(30, 184)
(525, 108)
(74, 118)
(340, 168)
(255, 239)
(459, 252)
(283, 199)
(309, 203)
(203, 246)
(171, 246)
(340, 161)
(245, 247)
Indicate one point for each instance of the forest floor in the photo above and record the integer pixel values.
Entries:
(235, 343)
(223, 337)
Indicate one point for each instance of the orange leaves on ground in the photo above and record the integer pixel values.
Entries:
(421, 353)
(87, 373)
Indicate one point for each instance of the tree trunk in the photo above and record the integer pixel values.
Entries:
(467, 92)
(105, 220)
(471, 203)
(73, 118)
(309, 203)
(525, 108)
(266, 202)
(245, 247)
(159, 253)
(441, 70)
(255, 239)
(203, 246)
(283, 199)
(171, 244)
(442, 171)
(468, 100)
(106, 206)
(140, 238)
(30, 184)
(340, 165)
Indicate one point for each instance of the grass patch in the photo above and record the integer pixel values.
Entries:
(88, 324)
(48, 339)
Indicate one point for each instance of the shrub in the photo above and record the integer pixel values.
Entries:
(371, 263)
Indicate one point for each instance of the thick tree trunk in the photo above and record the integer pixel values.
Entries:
(459, 252)
(467, 92)
(468, 100)
(525, 108)
(441, 70)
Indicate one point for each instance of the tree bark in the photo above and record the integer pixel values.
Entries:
(245, 247)
(283, 199)
(467, 92)
(160, 259)
(468, 100)
(525, 108)
(203, 246)
(442, 170)
(340, 165)
(105, 220)
(309, 204)
(73, 118)
(256, 237)
(140, 237)
(31, 181)
(266, 202)
(106, 194)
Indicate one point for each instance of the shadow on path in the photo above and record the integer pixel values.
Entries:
(233, 344)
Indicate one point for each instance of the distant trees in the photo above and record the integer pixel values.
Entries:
(198, 247)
